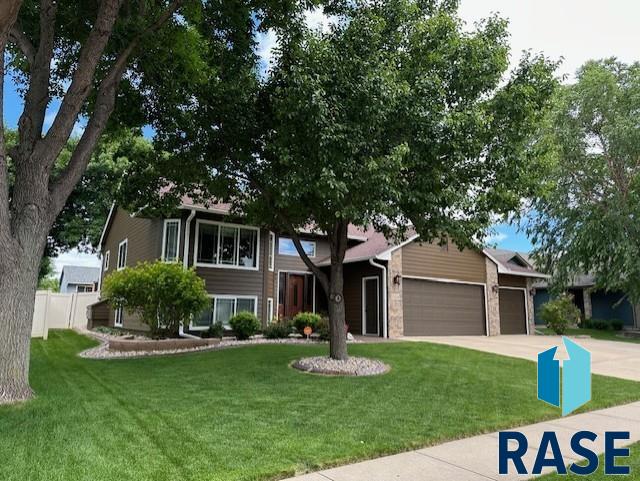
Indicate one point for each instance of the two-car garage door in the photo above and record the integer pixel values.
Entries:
(442, 309)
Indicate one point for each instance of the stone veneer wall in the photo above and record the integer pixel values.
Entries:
(396, 321)
(530, 306)
(588, 309)
(493, 302)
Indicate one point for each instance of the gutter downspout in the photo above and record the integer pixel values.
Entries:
(384, 297)
(185, 262)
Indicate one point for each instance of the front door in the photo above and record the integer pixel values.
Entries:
(370, 306)
(295, 295)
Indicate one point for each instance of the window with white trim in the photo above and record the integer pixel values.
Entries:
(222, 309)
(226, 245)
(269, 310)
(286, 247)
(107, 256)
(171, 240)
(272, 251)
(84, 288)
(118, 318)
(122, 254)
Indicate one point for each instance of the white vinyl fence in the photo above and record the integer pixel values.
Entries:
(60, 311)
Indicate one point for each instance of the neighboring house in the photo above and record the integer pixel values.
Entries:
(593, 303)
(79, 279)
(391, 289)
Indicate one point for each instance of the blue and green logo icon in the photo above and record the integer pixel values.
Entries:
(575, 389)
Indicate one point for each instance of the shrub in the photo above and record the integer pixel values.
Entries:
(600, 324)
(617, 324)
(215, 331)
(304, 319)
(244, 324)
(560, 313)
(277, 330)
(163, 294)
(322, 329)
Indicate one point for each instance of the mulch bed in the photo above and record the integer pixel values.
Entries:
(353, 366)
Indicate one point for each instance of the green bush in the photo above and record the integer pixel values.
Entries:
(600, 324)
(277, 330)
(304, 319)
(244, 324)
(215, 331)
(322, 329)
(617, 324)
(163, 294)
(560, 313)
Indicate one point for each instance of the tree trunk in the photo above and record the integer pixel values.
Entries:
(338, 328)
(18, 282)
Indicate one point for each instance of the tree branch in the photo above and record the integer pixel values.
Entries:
(37, 96)
(8, 14)
(63, 185)
(17, 36)
(4, 168)
(50, 147)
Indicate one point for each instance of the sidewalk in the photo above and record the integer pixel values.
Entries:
(476, 458)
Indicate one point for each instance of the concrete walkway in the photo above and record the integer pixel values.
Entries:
(609, 358)
(476, 458)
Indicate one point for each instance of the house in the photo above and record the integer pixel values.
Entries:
(593, 303)
(391, 289)
(79, 279)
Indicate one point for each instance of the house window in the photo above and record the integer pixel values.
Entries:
(171, 240)
(122, 254)
(119, 318)
(272, 251)
(269, 310)
(222, 309)
(286, 247)
(227, 245)
(107, 256)
(84, 288)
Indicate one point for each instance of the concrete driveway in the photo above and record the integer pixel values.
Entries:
(609, 358)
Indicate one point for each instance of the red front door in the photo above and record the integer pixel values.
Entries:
(295, 295)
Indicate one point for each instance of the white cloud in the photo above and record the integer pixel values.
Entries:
(495, 238)
(316, 19)
(75, 258)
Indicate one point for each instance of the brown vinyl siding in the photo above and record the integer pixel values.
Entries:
(448, 262)
(295, 263)
(144, 243)
(512, 281)
(353, 274)
(230, 281)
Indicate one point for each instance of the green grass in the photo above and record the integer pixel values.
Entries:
(594, 333)
(633, 461)
(243, 414)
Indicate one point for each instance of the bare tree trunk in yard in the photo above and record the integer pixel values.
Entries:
(333, 286)
(18, 279)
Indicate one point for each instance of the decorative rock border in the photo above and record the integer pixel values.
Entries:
(353, 366)
(103, 351)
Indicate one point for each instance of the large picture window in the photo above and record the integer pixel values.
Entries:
(222, 309)
(226, 245)
(286, 247)
(171, 240)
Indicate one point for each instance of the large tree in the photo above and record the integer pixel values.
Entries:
(586, 220)
(108, 65)
(395, 115)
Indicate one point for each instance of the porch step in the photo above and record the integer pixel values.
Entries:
(635, 333)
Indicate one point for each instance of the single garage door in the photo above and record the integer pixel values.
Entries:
(442, 309)
(513, 314)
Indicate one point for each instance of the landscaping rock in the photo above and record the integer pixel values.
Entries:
(354, 366)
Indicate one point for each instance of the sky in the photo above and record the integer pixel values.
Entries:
(569, 30)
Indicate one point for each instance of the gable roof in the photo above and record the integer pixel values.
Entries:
(513, 263)
(80, 275)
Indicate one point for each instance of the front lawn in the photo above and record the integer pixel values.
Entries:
(243, 414)
(594, 333)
